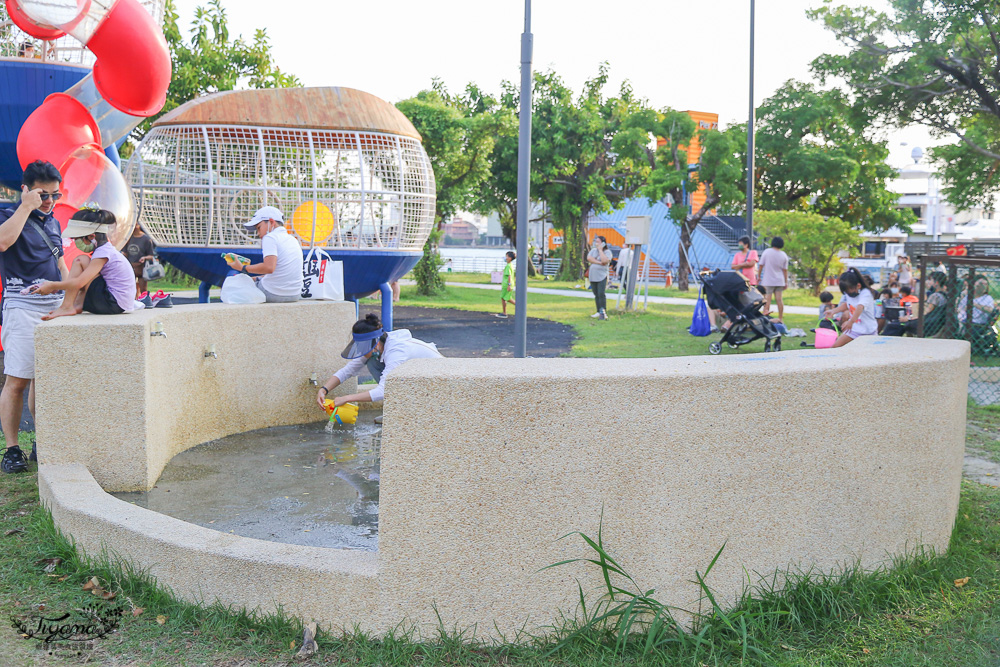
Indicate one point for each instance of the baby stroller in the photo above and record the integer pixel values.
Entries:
(730, 292)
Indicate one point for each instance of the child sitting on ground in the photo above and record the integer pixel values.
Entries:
(825, 303)
(103, 283)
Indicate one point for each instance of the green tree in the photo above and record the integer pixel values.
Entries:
(932, 62)
(459, 139)
(813, 153)
(814, 241)
(589, 154)
(210, 60)
(719, 170)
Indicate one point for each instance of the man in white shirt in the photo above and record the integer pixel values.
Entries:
(279, 276)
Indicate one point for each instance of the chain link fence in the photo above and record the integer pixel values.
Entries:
(960, 299)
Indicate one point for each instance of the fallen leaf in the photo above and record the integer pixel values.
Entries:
(787, 648)
(138, 611)
(161, 619)
(92, 584)
(961, 582)
(292, 645)
(865, 651)
(107, 595)
(50, 563)
(13, 531)
(64, 577)
(308, 642)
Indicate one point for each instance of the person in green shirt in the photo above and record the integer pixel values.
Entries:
(507, 285)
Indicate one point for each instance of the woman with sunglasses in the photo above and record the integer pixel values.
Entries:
(381, 352)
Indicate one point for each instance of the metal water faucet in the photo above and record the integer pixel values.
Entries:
(210, 351)
(157, 330)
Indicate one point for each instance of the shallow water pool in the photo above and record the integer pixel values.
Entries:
(308, 484)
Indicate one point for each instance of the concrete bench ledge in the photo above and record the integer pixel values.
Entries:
(790, 459)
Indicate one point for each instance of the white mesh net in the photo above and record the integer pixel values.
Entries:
(197, 184)
(66, 49)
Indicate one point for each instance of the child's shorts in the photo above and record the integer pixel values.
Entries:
(99, 299)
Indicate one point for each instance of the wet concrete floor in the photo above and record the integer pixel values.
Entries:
(308, 485)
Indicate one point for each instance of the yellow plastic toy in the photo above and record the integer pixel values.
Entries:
(233, 257)
(345, 414)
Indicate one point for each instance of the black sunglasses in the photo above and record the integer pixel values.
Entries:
(54, 196)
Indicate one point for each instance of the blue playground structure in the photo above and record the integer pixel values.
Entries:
(24, 85)
(346, 169)
(712, 245)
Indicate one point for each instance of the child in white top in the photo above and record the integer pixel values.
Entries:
(859, 301)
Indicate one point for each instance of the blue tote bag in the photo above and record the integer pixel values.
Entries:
(700, 324)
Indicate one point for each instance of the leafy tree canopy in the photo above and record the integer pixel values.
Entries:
(814, 153)
(588, 154)
(210, 60)
(719, 170)
(816, 240)
(933, 62)
(458, 134)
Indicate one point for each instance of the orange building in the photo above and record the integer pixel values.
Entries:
(706, 121)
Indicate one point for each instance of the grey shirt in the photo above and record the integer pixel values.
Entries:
(598, 272)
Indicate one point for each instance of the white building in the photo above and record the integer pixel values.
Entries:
(919, 191)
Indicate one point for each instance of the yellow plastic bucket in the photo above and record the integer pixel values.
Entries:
(345, 414)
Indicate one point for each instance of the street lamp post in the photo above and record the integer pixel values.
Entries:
(523, 190)
(750, 130)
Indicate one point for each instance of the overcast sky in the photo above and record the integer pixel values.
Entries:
(686, 55)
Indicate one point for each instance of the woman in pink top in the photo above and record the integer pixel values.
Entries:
(745, 261)
(103, 283)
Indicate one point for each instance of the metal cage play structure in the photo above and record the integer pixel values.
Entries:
(347, 170)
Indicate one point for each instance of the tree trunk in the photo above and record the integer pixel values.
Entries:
(683, 267)
(584, 241)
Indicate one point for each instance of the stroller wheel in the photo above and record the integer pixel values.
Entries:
(777, 345)
(767, 346)
(715, 348)
(732, 345)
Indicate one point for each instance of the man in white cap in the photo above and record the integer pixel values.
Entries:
(279, 276)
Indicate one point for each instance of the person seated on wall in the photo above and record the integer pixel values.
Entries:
(279, 276)
(381, 352)
(101, 283)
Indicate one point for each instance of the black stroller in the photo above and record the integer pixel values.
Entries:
(730, 292)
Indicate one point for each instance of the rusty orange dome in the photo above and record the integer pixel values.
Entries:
(330, 108)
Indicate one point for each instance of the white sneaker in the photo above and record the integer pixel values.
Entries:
(596, 315)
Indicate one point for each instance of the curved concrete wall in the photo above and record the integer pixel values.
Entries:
(786, 458)
(123, 402)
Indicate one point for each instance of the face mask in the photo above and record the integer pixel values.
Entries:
(84, 246)
(895, 290)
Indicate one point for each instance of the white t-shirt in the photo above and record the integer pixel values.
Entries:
(400, 346)
(982, 305)
(866, 324)
(287, 277)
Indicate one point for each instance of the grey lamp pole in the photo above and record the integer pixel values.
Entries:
(750, 130)
(523, 191)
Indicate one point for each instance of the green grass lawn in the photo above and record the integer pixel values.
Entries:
(660, 331)
(911, 615)
(793, 297)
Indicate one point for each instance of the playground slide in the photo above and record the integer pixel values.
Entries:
(128, 83)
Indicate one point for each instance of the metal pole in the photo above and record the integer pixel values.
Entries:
(750, 130)
(523, 191)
